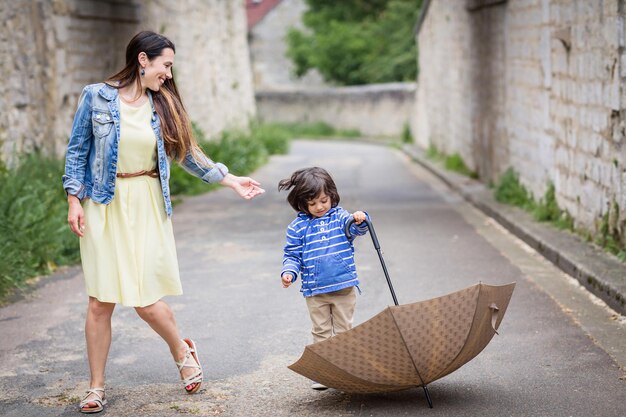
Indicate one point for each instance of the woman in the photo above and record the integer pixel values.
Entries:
(125, 132)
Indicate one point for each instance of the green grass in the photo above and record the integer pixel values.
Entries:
(34, 236)
(510, 191)
(452, 162)
(406, 136)
(612, 238)
(455, 163)
(275, 138)
(313, 130)
(433, 153)
(548, 210)
(241, 152)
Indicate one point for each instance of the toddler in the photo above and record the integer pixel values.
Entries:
(318, 250)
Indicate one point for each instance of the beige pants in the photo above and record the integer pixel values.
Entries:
(331, 313)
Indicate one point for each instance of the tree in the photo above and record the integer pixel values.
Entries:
(357, 41)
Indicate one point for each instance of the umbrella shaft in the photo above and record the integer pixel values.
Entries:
(377, 247)
(382, 262)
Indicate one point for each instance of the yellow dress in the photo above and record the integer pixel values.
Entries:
(128, 251)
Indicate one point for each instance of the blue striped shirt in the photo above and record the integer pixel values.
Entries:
(318, 250)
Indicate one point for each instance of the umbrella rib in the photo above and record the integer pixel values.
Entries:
(406, 347)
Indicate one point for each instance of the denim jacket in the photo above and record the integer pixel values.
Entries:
(319, 250)
(92, 152)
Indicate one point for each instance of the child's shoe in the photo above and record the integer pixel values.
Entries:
(318, 386)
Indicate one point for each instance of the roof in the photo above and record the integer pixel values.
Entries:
(257, 9)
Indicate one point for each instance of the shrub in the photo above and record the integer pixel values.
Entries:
(407, 137)
(241, 152)
(34, 236)
(609, 236)
(433, 153)
(510, 191)
(455, 163)
(452, 162)
(548, 210)
(273, 137)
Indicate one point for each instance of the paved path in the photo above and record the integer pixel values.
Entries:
(248, 328)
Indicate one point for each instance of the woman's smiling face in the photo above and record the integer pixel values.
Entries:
(158, 70)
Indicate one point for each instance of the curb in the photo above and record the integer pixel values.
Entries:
(601, 273)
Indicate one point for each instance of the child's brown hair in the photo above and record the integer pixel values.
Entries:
(307, 184)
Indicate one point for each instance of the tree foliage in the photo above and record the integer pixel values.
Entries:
(354, 42)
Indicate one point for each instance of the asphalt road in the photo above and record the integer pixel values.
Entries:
(545, 362)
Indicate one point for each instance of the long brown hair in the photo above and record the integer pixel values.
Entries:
(175, 122)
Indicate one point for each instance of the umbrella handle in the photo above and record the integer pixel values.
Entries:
(377, 247)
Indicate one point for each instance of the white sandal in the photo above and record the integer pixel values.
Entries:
(192, 351)
(100, 401)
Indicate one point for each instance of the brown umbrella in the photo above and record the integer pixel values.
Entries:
(409, 345)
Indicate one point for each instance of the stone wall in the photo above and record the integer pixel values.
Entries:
(268, 47)
(212, 66)
(534, 85)
(53, 48)
(374, 110)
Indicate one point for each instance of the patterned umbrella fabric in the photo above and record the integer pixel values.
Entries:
(408, 345)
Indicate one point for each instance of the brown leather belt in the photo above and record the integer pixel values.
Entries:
(152, 173)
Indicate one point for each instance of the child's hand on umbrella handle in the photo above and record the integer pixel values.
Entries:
(287, 278)
(359, 217)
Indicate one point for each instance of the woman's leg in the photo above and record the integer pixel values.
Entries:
(98, 337)
(161, 318)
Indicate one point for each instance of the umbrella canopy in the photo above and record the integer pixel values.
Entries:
(408, 345)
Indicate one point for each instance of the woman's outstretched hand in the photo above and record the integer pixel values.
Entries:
(246, 187)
